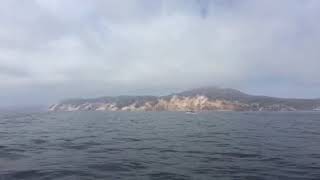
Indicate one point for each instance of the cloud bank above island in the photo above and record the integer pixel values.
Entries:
(53, 49)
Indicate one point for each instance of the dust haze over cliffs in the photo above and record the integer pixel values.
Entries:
(201, 99)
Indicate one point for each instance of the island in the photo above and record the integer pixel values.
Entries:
(200, 99)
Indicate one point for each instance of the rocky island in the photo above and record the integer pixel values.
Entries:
(201, 99)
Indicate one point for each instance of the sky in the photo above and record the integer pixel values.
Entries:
(56, 49)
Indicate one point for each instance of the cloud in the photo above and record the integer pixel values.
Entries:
(52, 48)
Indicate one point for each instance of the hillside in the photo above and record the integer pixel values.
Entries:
(201, 99)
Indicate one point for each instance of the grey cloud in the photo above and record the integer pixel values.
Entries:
(50, 48)
(12, 72)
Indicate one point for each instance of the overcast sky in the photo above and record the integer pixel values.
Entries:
(55, 49)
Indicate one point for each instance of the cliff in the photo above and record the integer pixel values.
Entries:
(202, 99)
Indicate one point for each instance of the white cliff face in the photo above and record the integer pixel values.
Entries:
(69, 107)
(106, 107)
(53, 107)
(197, 103)
(131, 107)
(176, 103)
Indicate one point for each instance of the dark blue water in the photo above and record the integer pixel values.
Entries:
(159, 145)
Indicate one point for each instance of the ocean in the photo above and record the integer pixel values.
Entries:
(159, 145)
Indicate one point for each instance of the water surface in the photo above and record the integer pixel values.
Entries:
(159, 145)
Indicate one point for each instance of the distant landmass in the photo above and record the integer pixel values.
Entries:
(201, 99)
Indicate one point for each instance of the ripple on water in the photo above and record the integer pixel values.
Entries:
(47, 174)
(168, 175)
(99, 145)
(79, 145)
(8, 153)
(38, 141)
(121, 166)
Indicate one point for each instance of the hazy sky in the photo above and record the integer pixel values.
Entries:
(53, 49)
